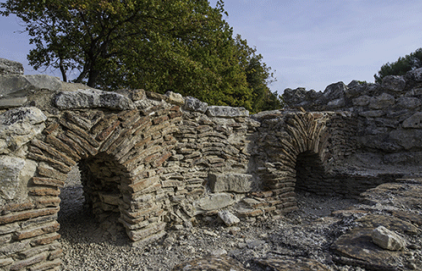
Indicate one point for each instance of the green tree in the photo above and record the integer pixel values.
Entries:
(159, 45)
(258, 76)
(401, 66)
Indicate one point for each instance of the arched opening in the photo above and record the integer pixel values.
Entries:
(310, 174)
(92, 200)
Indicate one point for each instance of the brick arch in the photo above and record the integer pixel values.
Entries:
(300, 135)
(122, 154)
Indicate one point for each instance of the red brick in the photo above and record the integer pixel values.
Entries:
(27, 215)
(43, 191)
(27, 262)
(107, 131)
(47, 239)
(44, 229)
(47, 182)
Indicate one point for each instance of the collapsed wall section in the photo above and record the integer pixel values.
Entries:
(301, 151)
(388, 116)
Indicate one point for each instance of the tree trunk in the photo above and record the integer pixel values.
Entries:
(92, 78)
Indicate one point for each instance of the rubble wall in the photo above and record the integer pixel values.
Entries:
(388, 118)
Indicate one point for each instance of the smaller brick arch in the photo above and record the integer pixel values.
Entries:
(301, 142)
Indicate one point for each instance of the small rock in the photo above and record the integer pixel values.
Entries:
(241, 245)
(218, 252)
(387, 239)
(210, 233)
(228, 218)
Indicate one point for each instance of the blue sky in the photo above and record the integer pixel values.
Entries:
(308, 43)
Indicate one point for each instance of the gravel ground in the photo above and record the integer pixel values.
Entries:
(308, 232)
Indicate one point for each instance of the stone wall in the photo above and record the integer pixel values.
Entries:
(149, 161)
(389, 117)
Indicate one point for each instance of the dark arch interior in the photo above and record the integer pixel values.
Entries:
(93, 199)
(310, 174)
(101, 177)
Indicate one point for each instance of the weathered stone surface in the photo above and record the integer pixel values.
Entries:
(335, 91)
(231, 182)
(285, 263)
(415, 121)
(380, 102)
(407, 138)
(394, 83)
(14, 175)
(22, 86)
(416, 74)
(18, 126)
(9, 67)
(387, 239)
(175, 98)
(335, 104)
(228, 218)
(356, 247)
(12, 102)
(213, 202)
(354, 89)
(408, 102)
(92, 98)
(210, 263)
(193, 104)
(372, 113)
(227, 111)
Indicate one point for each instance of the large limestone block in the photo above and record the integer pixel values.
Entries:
(9, 67)
(18, 126)
(387, 239)
(92, 98)
(382, 101)
(394, 83)
(227, 111)
(335, 91)
(14, 174)
(416, 74)
(213, 202)
(408, 102)
(22, 86)
(228, 218)
(414, 121)
(193, 104)
(361, 101)
(354, 89)
(231, 182)
(407, 138)
(175, 98)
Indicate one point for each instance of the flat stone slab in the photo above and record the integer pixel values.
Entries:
(227, 111)
(213, 202)
(291, 263)
(407, 194)
(92, 98)
(210, 263)
(408, 216)
(231, 182)
(357, 248)
(390, 222)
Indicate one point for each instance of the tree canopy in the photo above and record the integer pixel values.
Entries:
(181, 45)
(401, 66)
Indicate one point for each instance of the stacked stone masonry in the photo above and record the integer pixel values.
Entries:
(149, 161)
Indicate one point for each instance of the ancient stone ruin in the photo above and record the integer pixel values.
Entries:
(149, 161)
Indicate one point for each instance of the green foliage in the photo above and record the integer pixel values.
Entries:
(159, 45)
(401, 66)
(258, 76)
